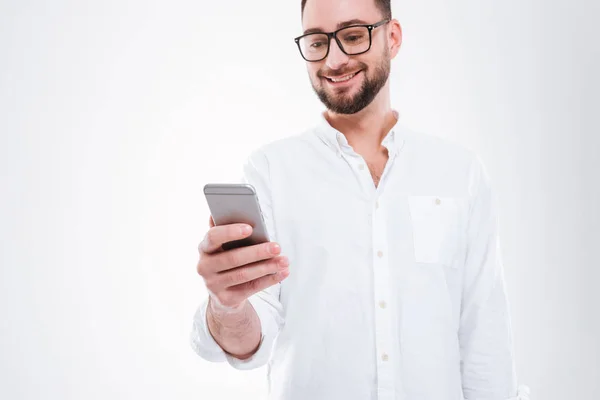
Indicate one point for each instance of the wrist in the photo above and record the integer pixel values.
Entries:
(216, 308)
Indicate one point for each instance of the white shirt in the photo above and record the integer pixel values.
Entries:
(395, 292)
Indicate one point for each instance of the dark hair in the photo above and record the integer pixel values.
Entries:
(384, 6)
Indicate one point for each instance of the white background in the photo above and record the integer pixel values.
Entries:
(113, 115)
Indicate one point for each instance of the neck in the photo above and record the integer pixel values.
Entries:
(366, 129)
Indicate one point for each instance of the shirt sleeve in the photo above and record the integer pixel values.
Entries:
(485, 334)
(266, 302)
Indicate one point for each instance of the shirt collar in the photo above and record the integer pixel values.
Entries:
(337, 141)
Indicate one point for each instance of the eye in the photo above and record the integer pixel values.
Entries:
(355, 35)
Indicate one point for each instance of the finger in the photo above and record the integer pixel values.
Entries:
(245, 255)
(217, 235)
(247, 289)
(211, 223)
(250, 272)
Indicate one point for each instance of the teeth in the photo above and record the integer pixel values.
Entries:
(347, 77)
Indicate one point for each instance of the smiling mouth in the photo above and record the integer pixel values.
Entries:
(343, 78)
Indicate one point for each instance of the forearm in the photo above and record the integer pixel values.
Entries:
(238, 333)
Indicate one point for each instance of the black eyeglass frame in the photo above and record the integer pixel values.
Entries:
(330, 35)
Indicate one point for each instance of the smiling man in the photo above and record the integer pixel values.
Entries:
(386, 281)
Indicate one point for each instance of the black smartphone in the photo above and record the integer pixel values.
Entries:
(232, 203)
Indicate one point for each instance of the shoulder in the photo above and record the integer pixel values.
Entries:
(443, 150)
(287, 148)
(445, 158)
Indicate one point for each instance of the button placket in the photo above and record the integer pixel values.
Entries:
(365, 176)
(383, 317)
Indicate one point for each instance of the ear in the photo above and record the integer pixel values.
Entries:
(395, 37)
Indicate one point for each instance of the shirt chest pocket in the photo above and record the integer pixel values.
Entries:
(437, 229)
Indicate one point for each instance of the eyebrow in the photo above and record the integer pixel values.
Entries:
(340, 25)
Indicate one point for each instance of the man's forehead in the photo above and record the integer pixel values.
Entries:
(329, 15)
(339, 25)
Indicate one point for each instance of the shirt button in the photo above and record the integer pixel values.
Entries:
(382, 304)
(437, 201)
(361, 166)
(384, 357)
(376, 204)
(380, 254)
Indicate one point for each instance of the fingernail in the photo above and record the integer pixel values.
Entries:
(284, 273)
(274, 248)
(246, 229)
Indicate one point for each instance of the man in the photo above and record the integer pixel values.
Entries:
(383, 279)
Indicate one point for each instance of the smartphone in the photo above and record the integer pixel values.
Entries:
(232, 203)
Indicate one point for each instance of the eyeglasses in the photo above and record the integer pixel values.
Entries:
(352, 40)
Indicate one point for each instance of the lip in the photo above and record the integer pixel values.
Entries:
(343, 83)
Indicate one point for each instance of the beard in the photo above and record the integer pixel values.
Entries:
(342, 104)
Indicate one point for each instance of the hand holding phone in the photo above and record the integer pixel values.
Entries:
(236, 264)
(232, 203)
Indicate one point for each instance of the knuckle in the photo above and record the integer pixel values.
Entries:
(271, 267)
(259, 251)
(233, 258)
(235, 231)
(201, 268)
(254, 285)
(209, 238)
(204, 264)
(283, 275)
(264, 269)
(227, 299)
(239, 276)
(228, 234)
(264, 250)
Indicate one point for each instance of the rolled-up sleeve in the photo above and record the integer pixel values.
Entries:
(485, 335)
(266, 302)
(269, 312)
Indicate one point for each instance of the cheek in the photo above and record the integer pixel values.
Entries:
(312, 72)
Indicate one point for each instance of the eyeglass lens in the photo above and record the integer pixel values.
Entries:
(354, 40)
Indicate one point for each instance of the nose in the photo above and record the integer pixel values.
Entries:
(336, 57)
